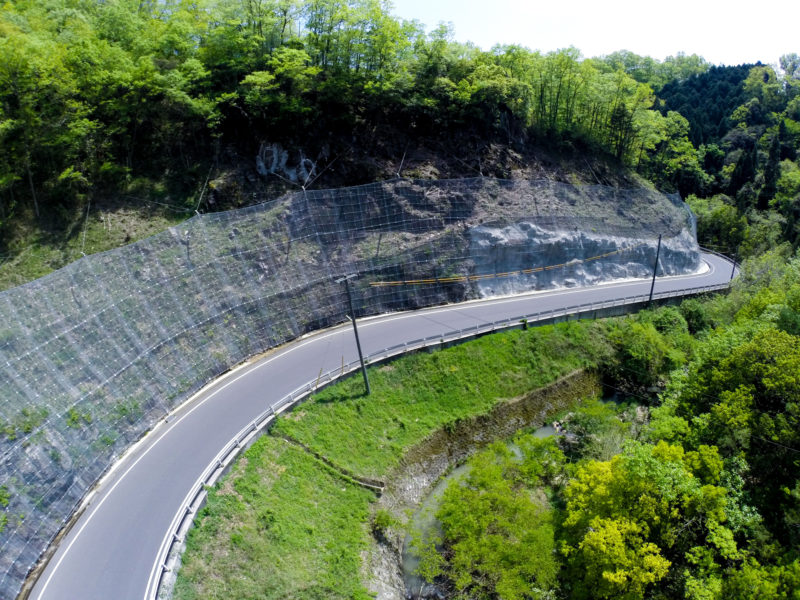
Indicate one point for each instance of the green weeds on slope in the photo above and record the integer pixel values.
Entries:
(281, 525)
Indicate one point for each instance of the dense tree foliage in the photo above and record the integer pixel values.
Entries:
(630, 520)
(93, 94)
(645, 69)
(743, 182)
(707, 100)
(498, 531)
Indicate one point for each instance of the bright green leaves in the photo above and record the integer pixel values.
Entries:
(595, 431)
(752, 580)
(431, 562)
(277, 95)
(497, 526)
(769, 365)
(292, 69)
(42, 123)
(647, 349)
(616, 561)
(762, 84)
(676, 157)
(622, 516)
(757, 390)
(705, 463)
(495, 97)
(719, 223)
(259, 87)
(642, 351)
(741, 394)
(90, 89)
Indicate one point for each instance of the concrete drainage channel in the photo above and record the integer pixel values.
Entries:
(168, 560)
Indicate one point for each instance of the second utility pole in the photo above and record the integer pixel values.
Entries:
(346, 280)
(655, 269)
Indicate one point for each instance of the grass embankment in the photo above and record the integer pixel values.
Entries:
(283, 525)
(418, 394)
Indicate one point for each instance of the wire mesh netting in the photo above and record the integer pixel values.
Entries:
(93, 355)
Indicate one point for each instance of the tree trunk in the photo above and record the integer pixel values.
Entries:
(33, 189)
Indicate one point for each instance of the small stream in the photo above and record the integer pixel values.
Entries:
(424, 521)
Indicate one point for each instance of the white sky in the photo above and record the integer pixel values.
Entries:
(721, 32)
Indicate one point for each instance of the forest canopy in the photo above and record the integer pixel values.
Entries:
(692, 492)
(95, 93)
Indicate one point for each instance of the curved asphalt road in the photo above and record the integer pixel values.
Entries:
(110, 551)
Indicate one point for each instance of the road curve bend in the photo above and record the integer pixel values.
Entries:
(118, 546)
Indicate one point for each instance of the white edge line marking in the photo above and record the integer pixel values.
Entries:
(247, 370)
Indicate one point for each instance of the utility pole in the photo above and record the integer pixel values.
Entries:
(346, 279)
(655, 269)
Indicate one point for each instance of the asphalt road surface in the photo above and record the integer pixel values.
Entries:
(111, 551)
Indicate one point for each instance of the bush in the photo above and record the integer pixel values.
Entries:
(695, 314)
(643, 357)
(382, 521)
(594, 430)
(498, 535)
(669, 321)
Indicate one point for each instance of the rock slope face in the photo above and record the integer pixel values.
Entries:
(93, 355)
(523, 251)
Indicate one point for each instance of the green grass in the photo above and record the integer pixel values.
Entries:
(418, 394)
(41, 246)
(281, 525)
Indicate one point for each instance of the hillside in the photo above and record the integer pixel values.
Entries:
(353, 141)
(117, 119)
(34, 248)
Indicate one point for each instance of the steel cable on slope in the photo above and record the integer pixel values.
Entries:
(485, 276)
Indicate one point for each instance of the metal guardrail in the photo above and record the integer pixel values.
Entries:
(168, 558)
(715, 253)
(736, 265)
